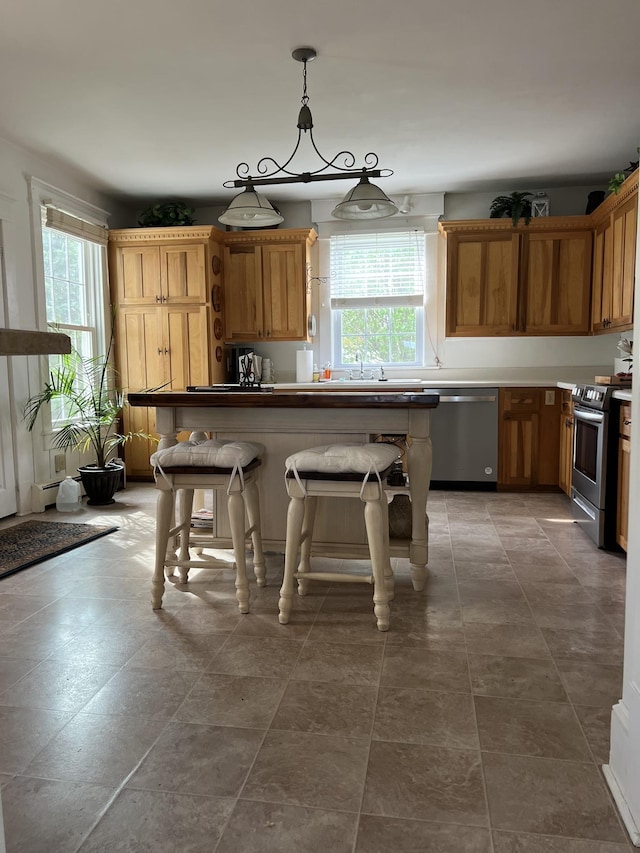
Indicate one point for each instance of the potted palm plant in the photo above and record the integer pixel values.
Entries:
(92, 405)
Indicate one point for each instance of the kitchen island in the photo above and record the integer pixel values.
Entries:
(287, 422)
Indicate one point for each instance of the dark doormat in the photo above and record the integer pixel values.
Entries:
(32, 542)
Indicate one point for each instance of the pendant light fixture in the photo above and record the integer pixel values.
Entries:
(364, 201)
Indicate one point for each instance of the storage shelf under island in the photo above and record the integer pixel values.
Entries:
(287, 422)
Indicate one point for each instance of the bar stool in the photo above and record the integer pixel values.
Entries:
(344, 471)
(225, 466)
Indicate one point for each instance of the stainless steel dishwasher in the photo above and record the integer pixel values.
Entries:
(464, 435)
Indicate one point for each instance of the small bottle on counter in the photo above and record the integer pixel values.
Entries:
(326, 371)
(316, 374)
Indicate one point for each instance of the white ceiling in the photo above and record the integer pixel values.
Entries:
(162, 99)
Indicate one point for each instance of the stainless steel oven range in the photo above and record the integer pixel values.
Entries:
(594, 473)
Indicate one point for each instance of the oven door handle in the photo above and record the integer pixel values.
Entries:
(584, 415)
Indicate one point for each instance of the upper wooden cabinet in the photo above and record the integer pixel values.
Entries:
(152, 266)
(530, 280)
(614, 259)
(265, 280)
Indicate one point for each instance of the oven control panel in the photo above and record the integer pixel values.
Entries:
(592, 396)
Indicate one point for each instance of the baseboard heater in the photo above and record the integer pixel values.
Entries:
(45, 494)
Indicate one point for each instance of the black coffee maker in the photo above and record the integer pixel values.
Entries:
(233, 362)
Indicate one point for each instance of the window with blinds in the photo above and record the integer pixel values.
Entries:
(74, 258)
(377, 298)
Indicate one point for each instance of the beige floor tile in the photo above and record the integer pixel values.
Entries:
(509, 640)
(383, 834)
(337, 627)
(407, 715)
(517, 842)
(542, 795)
(598, 645)
(13, 669)
(272, 828)
(309, 770)
(323, 708)
(212, 761)
(347, 663)
(267, 657)
(596, 725)
(589, 683)
(515, 678)
(159, 822)
(425, 783)
(149, 693)
(24, 732)
(77, 753)
(519, 727)
(45, 816)
(58, 685)
(28, 639)
(232, 700)
(180, 651)
(413, 665)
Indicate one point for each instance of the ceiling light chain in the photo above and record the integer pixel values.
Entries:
(364, 201)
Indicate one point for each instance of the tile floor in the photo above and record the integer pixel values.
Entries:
(477, 724)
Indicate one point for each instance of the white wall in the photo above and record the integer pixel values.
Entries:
(563, 201)
(20, 296)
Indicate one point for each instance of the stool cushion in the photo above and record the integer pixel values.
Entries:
(344, 458)
(212, 453)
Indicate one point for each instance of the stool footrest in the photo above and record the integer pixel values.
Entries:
(339, 577)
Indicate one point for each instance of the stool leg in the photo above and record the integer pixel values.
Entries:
(388, 571)
(252, 501)
(164, 519)
(306, 541)
(374, 520)
(186, 508)
(236, 521)
(295, 516)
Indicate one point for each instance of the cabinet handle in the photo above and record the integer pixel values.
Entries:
(164, 298)
(259, 333)
(158, 299)
(627, 423)
(159, 351)
(268, 333)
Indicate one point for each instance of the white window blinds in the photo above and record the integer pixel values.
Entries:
(75, 227)
(375, 266)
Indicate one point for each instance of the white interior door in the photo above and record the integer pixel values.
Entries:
(8, 500)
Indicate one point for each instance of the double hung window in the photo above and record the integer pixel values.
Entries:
(377, 298)
(73, 255)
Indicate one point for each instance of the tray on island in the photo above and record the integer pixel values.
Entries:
(223, 389)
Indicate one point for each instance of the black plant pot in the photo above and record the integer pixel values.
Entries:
(100, 484)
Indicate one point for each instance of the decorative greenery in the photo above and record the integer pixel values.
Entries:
(86, 387)
(168, 214)
(620, 177)
(515, 205)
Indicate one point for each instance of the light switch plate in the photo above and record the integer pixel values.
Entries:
(549, 398)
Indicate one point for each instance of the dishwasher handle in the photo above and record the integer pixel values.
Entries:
(461, 398)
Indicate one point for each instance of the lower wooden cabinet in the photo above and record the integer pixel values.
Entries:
(624, 450)
(566, 442)
(528, 443)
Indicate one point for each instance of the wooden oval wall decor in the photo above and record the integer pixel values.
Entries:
(216, 297)
(218, 353)
(217, 328)
(216, 265)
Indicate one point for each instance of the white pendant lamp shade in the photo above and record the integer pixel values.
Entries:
(249, 209)
(365, 201)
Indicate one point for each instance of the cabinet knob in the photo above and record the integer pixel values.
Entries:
(268, 333)
(259, 333)
(164, 299)
(164, 351)
(627, 423)
(158, 299)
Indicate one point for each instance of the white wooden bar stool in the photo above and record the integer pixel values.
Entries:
(228, 466)
(344, 471)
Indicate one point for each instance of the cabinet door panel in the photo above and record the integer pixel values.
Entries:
(183, 274)
(284, 286)
(558, 283)
(137, 275)
(622, 521)
(185, 336)
(519, 450)
(243, 293)
(482, 284)
(623, 263)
